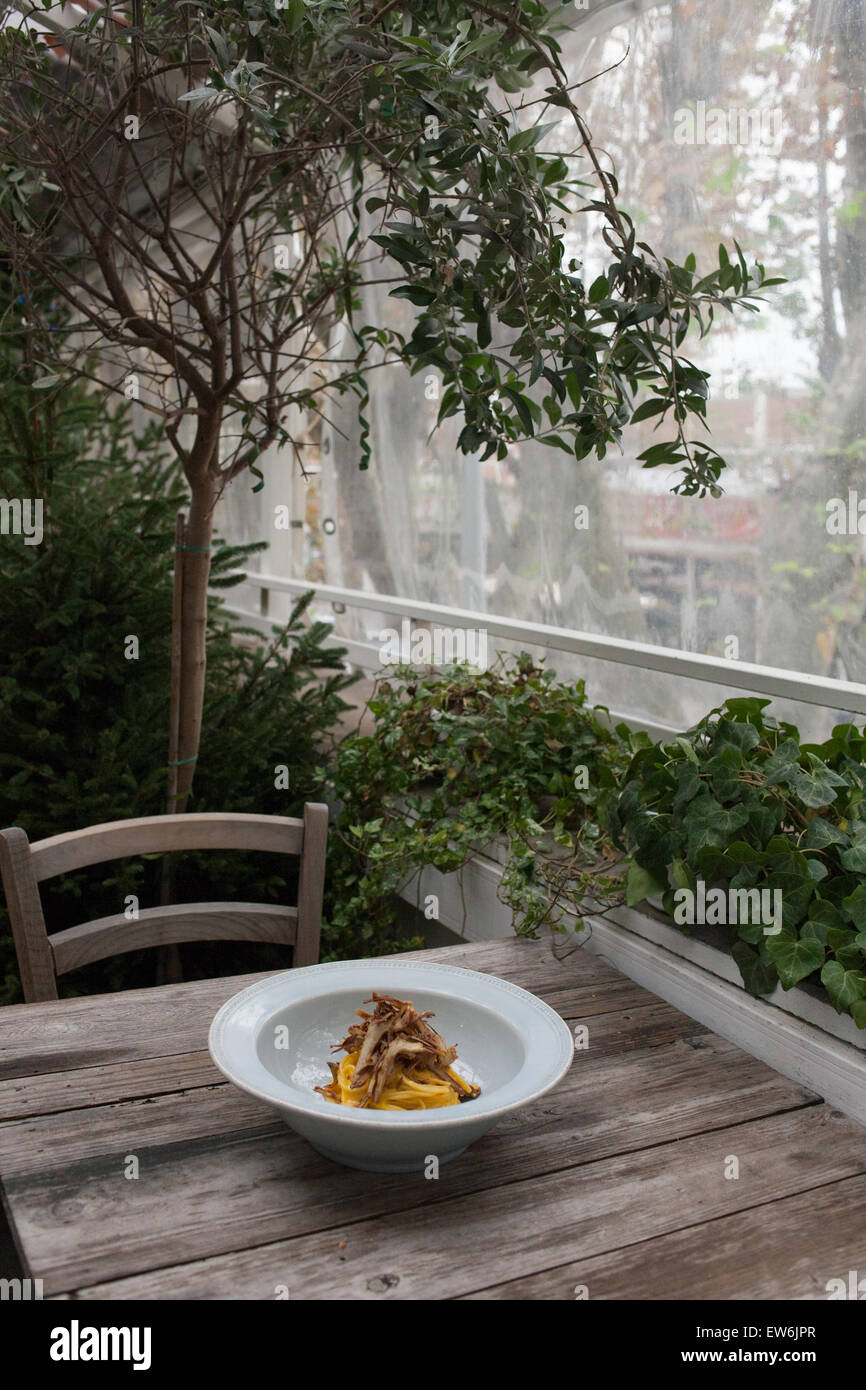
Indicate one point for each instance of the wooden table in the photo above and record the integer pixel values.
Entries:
(619, 1182)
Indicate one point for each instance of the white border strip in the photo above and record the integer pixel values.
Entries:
(739, 675)
(790, 1045)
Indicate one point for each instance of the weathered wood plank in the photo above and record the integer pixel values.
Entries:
(63, 1135)
(651, 1025)
(45, 1143)
(444, 1249)
(23, 1097)
(102, 1028)
(215, 1177)
(173, 1019)
(790, 1248)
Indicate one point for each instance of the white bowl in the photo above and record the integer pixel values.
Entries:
(274, 1041)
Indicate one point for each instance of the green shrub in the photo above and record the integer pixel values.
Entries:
(85, 729)
(473, 755)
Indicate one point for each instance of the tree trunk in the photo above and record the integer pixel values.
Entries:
(193, 632)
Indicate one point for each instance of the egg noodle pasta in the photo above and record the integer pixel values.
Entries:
(395, 1061)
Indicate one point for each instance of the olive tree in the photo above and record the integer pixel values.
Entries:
(193, 195)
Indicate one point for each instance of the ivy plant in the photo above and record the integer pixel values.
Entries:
(740, 802)
(593, 817)
(328, 147)
(458, 760)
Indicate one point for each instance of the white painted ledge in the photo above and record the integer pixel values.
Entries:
(794, 1032)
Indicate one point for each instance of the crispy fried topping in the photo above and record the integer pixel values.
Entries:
(395, 1034)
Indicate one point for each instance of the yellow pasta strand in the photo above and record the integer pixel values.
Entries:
(421, 1091)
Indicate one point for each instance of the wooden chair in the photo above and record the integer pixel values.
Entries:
(42, 957)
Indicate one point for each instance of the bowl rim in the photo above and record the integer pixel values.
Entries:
(273, 1093)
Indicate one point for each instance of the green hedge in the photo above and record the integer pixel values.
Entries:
(83, 729)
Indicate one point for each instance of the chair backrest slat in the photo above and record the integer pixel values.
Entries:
(77, 849)
(164, 926)
(24, 866)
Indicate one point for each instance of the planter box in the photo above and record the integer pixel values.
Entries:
(796, 1032)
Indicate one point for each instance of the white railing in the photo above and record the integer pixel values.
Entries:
(737, 675)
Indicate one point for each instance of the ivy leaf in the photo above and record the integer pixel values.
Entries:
(816, 786)
(759, 976)
(750, 931)
(854, 859)
(709, 823)
(821, 833)
(796, 894)
(783, 765)
(688, 786)
(683, 876)
(855, 906)
(851, 958)
(689, 751)
(657, 839)
(746, 876)
(742, 736)
(843, 986)
(723, 771)
(641, 884)
(749, 706)
(743, 853)
(824, 917)
(794, 957)
(763, 820)
(838, 938)
(814, 931)
(712, 864)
